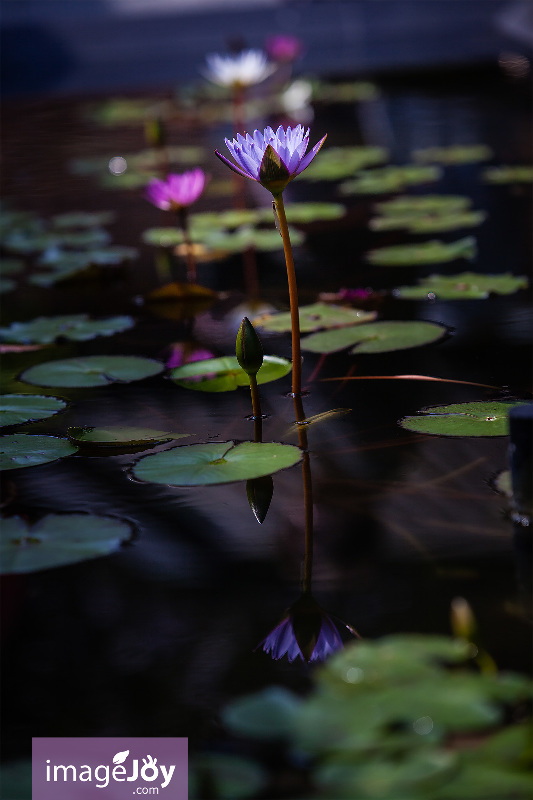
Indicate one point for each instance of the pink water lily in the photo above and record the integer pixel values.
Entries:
(283, 47)
(176, 191)
(271, 158)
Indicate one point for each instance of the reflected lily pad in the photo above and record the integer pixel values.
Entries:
(390, 179)
(336, 163)
(121, 435)
(17, 408)
(314, 317)
(433, 252)
(465, 286)
(77, 327)
(214, 463)
(454, 154)
(57, 540)
(27, 450)
(375, 337)
(92, 371)
(517, 173)
(462, 419)
(225, 374)
(416, 205)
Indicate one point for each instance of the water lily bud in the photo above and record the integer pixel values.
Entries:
(248, 348)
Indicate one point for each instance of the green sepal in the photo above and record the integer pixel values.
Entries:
(273, 174)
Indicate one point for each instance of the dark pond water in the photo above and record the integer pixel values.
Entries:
(154, 640)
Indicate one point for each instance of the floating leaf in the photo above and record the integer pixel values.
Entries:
(390, 179)
(314, 317)
(217, 462)
(92, 371)
(416, 205)
(83, 219)
(232, 777)
(431, 223)
(224, 374)
(162, 237)
(344, 92)
(453, 154)
(268, 714)
(120, 436)
(24, 450)
(375, 337)
(232, 218)
(340, 162)
(433, 252)
(77, 327)
(11, 266)
(462, 419)
(465, 286)
(57, 540)
(304, 213)
(508, 174)
(120, 757)
(17, 408)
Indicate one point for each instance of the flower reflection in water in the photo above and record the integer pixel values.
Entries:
(306, 631)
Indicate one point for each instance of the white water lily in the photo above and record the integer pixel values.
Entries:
(238, 71)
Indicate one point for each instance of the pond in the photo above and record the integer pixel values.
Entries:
(156, 637)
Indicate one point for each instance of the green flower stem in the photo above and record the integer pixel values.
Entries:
(293, 297)
(256, 409)
(191, 262)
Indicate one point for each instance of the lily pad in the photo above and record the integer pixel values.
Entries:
(162, 237)
(83, 219)
(390, 179)
(214, 463)
(462, 419)
(232, 777)
(24, 450)
(11, 266)
(57, 540)
(433, 252)
(77, 327)
(336, 163)
(314, 317)
(509, 174)
(416, 205)
(454, 154)
(375, 337)
(304, 213)
(17, 408)
(225, 375)
(92, 371)
(465, 286)
(430, 223)
(120, 436)
(232, 218)
(344, 92)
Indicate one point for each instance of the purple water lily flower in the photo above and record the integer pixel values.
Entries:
(271, 158)
(306, 632)
(176, 191)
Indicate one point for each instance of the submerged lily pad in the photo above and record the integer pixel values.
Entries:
(314, 317)
(454, 154)
(92, 371)
(57, 540)
(217, 462)
(341, 162)
(77, 327)
(17, 408)
(225, 374)
(433, 252)
(120, 436)
(462, 419)
(465, 286)
(517, 173)
(26, 450)
(390, 179)
(375, 337)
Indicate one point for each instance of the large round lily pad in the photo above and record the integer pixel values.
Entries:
(341, 162)
(422, 205)
(225, 374)
(429, 223)
(120, 436)
(466, 286)
(314, 317)
(26, 450)
(17, 408)
(92, 371)
(77, 327)
(433, 252)
(217, 462)
(462, 419)
(375, 337)
(57, 540)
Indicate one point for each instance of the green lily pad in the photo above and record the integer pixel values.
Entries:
(162, 237)
(92, 371)
(390, 179)
(120, 436)
(433, 252)
(83, 219)
(345, 92)
(232, 777)
(11, 266)
(57, 540)
(77, 327)
(17, 408)
(416, 205)
(431, 223)
(336, 163)
(24, 450)
(242, 238)
(268, 714)
(465, 286)
(304, 213)
(225, 374)
(375, 337)
(314, 317)
(232, 218)
(454, 154)
(508, 174)
(462, 419)
(214, 463)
